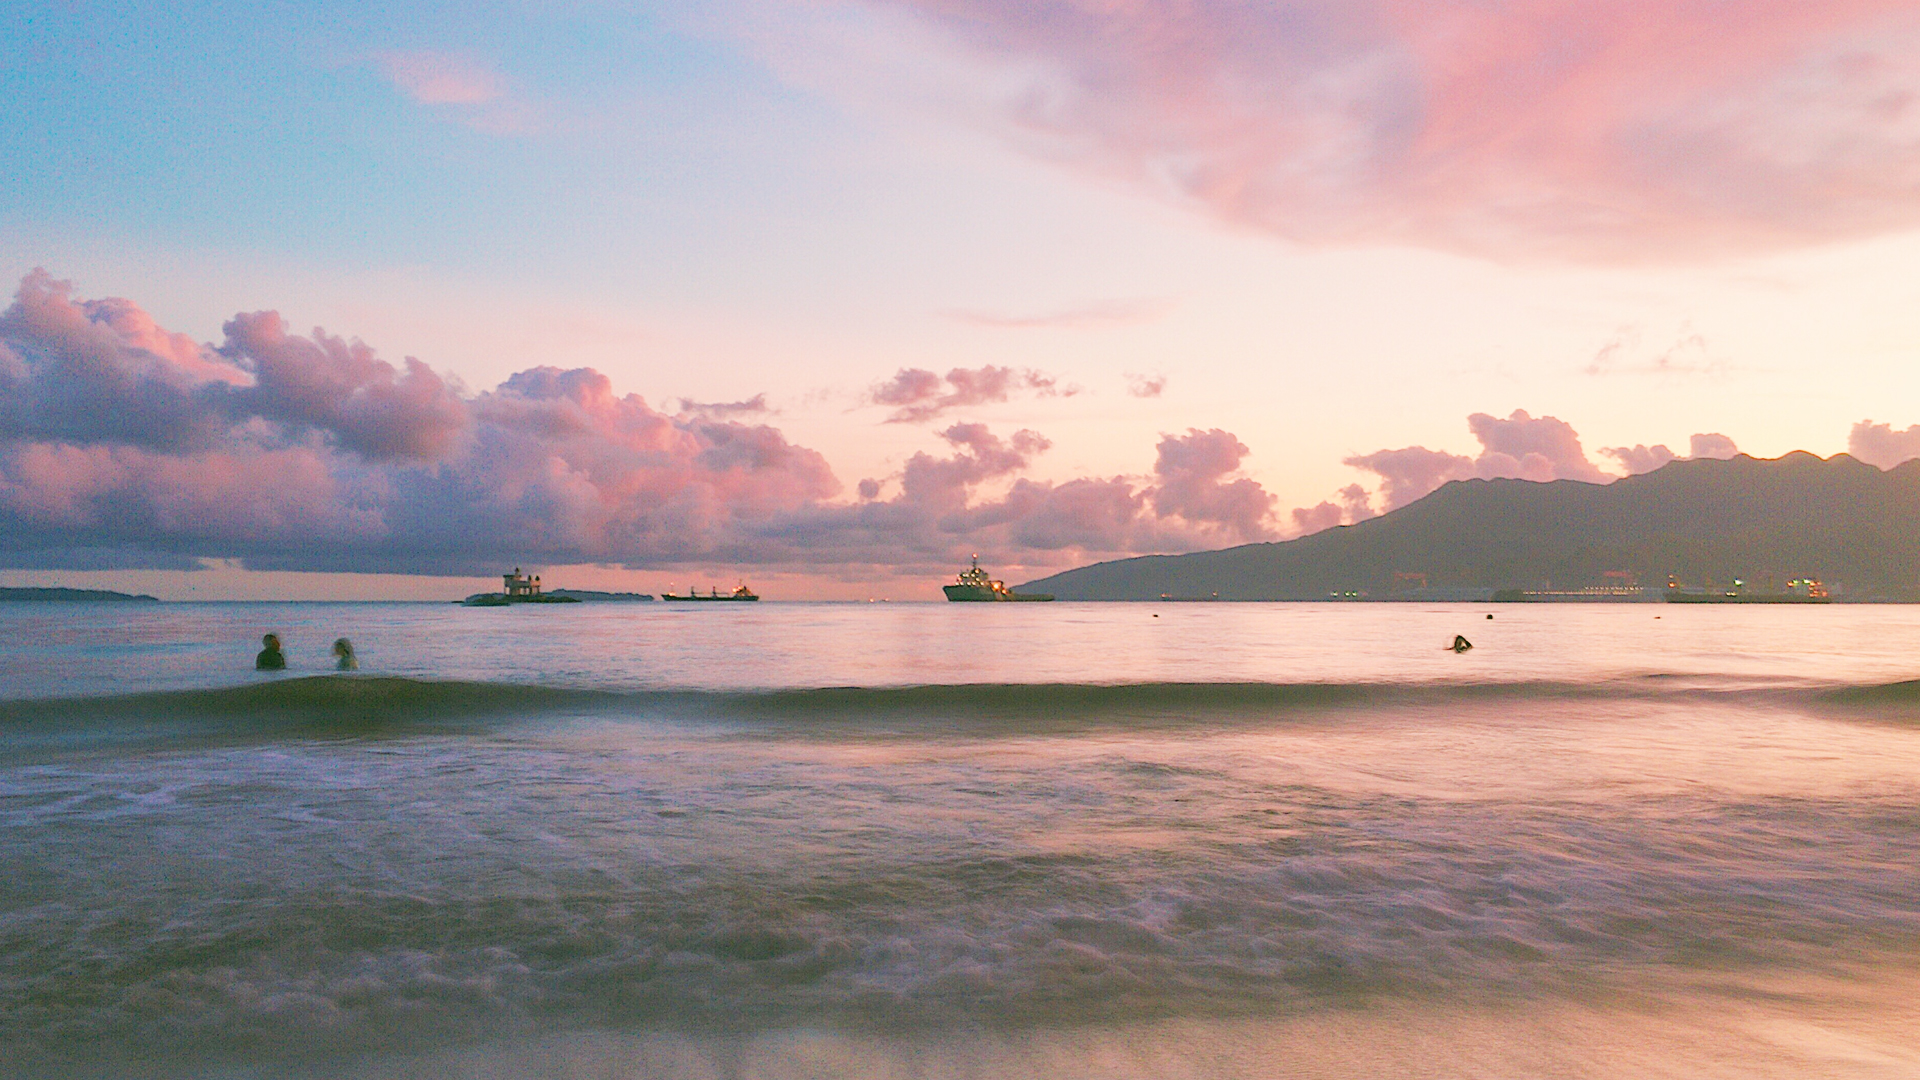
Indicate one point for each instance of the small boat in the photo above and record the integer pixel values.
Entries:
(739, 595)
(975, 586)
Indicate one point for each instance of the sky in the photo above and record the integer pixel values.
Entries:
(329, 301)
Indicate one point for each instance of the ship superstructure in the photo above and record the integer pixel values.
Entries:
(976, 585)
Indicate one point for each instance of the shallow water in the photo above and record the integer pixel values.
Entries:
(1062, 840)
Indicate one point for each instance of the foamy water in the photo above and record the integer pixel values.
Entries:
(929, 841)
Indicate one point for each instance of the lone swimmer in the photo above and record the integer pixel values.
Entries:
(1460, 643)
(270, 658)
(343, 652)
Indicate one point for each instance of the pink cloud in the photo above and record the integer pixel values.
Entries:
(1639, 459)
(1609, 130)
(1193, 471)
(122, 442)
(1882, 444)
(461, 88)
(1711, 445)
(433, 78)
(1522, 446)
(341, 387)
(919, 394)
(1146, 386)
(1519, 446)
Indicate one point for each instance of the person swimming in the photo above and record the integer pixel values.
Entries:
(270, 658)
(343, 650)
(1460, 643)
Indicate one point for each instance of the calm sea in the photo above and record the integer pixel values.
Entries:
(928, 841)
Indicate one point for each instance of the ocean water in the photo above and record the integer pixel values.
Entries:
(927, 841)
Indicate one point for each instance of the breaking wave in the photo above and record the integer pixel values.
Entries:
(368, 702)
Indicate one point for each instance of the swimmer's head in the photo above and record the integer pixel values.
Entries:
(342, 647)
(271, 641)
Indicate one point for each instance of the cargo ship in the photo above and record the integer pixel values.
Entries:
(738, 595)
(974, 585)
(1801, 591)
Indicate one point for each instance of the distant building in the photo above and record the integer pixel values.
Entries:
(520, 585)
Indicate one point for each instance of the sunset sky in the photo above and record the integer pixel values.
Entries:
(329, 300)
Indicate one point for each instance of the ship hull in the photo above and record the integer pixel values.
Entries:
(973, 594)
(709, 599)
(1744, 598)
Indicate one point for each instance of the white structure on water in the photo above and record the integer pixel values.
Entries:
(519, 584)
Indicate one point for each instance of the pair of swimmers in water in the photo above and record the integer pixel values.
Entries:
(272, 659)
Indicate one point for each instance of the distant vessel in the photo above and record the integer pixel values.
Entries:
(519, 589)
(974, 585)
(1802, 591)
(741, 594)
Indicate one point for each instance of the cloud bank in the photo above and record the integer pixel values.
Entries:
(1521, 446)
(127, 445)
(1606, 130)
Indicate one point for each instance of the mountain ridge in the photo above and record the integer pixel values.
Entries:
(1701, 520)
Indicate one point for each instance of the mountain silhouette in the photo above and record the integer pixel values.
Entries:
(1700, 521)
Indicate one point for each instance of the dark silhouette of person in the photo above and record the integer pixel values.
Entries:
(1460, 643)
(270, 658)
(343, 653)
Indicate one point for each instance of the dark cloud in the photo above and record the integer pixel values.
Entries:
(918, 394)
(1883, 444)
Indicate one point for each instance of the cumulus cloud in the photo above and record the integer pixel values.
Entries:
(1530, 448)
(340, 387)
(1882, 444)
(1608, 130)
(123, 444)
(1517, 446)
(918, 394)
(1410, 472)
(1641, 458)
(1711, 445)
(1193, 471)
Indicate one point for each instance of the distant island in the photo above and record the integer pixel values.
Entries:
(520, 588)
(91, 596)
(1696, 523)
